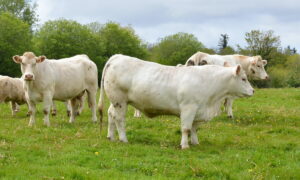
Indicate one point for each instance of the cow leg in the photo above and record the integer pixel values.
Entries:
(187, 117)
(53, 109)
(13, 108)
(120, 112)
(47, 107)
(81, 105)
(92, 103)
(74, 107)
(228, 107)
(194, 137)
(68, 107)
(137, 113)
(111, 123)
(31, 112)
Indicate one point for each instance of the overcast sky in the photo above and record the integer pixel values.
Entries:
(154, 19)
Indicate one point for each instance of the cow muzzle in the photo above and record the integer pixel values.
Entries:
(28, 77)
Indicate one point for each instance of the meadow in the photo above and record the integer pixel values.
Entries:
(261, 142)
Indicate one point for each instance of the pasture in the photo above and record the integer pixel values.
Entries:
(261, 142)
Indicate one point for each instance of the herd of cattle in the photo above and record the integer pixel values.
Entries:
(194, 91)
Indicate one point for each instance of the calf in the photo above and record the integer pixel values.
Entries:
(192, 93)
(61, 80)
(253, 66)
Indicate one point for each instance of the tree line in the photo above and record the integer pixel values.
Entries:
(64, 38)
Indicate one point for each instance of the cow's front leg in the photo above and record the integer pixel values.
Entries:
(53, 109)
(14, 108)
(187, 117)
(137, 113)
(47, 107)
(228, 107)
(31, 112)
(194, 137)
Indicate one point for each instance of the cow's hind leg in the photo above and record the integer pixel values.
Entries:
(111, 123)
(74, 107)
(119, 118)
(194, 137)
(53, 109)
(92, 103)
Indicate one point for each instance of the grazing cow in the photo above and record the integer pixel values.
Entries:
(64, 79)
(11, 90)
(192, 93)
(253, 66)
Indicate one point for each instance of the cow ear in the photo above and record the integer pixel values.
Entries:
(265, 62)
(17, 59)
(40, 59)
(238, 70)
(190, 63)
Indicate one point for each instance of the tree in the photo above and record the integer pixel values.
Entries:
(227, 51)
(175, 49)
(22, 9)
(15, 38)
(64, 38)
(121, 40)
(223, 42)
(263, 43)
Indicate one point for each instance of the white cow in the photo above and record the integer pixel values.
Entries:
(61, 80)
(192, 93)
(11, 90)
(252, 65)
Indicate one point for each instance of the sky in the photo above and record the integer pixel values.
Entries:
(155, 19)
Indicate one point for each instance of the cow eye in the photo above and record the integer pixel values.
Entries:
(258, 66)
(244, 79)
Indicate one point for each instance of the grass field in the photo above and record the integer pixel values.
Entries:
(261, 142)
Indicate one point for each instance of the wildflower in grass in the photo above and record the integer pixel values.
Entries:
(96, 153)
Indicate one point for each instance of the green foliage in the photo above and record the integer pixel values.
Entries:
(120, 40)
(262, 142)
(20, 8)
(15, 38)
(228, 50)
(263, 43)
(175, 49)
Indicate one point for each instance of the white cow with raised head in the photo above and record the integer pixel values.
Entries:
(192, 93)
(252, 65)
(61, 80)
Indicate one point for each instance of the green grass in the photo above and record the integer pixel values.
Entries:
(262, 142)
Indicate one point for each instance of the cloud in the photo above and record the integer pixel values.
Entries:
(154, 19)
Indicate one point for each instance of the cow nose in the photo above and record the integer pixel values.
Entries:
(267, 78)
(28, 77)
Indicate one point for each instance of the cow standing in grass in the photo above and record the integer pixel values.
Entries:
(252, 65)
(192, 93)
(64, 79)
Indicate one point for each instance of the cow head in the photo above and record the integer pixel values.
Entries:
(256, 68)
(240, 85)
(28, 64)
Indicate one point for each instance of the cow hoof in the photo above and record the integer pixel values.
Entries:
(124, 140)
(110, 138)
(230, 116)
(53, 114)
(185, 146)
(195, 143)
